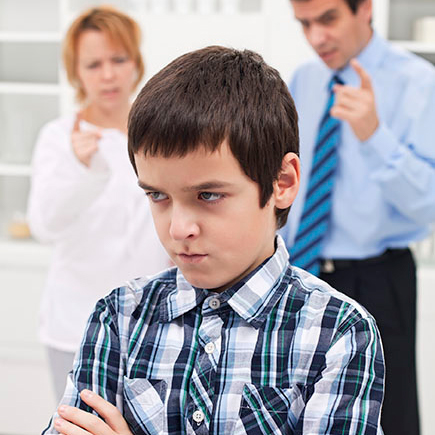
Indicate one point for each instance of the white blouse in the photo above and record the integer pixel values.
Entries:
(99, 222)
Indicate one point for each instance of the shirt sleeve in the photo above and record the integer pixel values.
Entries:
(61, 186)
(347, 397)
(98, 364)
(404, 167)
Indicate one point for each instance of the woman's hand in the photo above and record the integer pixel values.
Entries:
(84, 143)
(74, 421)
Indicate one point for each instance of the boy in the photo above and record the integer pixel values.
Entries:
(233, 339)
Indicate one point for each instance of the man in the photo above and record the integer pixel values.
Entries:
(368, 178)
(233, 340)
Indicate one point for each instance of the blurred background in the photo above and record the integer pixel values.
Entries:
(34, 90)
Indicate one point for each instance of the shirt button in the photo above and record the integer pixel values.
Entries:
(214, 303)
(209, 347)
(198, 416)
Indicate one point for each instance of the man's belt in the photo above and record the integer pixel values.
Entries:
(329, 265)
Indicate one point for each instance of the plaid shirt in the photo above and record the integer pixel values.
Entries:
(279, 353)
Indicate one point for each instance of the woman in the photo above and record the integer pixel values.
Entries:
(84, 196)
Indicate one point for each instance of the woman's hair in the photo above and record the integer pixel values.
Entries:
(214, 94)
(118, 26)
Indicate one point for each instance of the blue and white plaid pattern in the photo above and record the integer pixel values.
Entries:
(282, 353)
(314, 222)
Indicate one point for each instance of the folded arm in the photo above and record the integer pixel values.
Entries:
(348, 394)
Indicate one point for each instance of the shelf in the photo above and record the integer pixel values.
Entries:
(212, 16)
(416, 46)
(30, 37)
(24, 253)
(29, 15)
(29, 88)
(207, 32)
(15, 170)
(177, 7)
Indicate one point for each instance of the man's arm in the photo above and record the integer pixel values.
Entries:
(347, 397)
(403, 167)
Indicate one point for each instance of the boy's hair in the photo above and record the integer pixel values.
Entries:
(214, 94)
(119, 27)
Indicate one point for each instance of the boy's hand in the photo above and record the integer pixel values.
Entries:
(75, 421)
(357, 105)
(84, 143)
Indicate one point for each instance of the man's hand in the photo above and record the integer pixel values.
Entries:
(84, 143)
(74, 421)
(357, 105)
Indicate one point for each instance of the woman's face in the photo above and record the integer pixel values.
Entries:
(105, 70)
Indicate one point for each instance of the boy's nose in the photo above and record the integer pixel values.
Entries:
(183, 225)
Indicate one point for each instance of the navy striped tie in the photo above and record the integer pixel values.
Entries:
(314, 221)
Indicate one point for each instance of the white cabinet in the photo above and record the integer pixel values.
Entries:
(25, 379)
(405, 21)
(29, 95)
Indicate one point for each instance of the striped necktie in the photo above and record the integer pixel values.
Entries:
(314, 221)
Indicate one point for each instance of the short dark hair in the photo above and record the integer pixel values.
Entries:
(353, 4)
(214, 94)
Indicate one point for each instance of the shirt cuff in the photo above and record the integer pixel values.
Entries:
(381, 146)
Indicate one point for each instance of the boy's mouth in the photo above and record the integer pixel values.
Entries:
(191, 258)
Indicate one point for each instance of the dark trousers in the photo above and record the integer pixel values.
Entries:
(387, 289)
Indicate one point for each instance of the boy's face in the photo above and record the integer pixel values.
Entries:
(207, 214)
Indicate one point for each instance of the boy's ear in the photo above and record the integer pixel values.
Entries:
(287, 185)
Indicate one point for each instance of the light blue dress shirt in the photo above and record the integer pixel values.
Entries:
(384, 192)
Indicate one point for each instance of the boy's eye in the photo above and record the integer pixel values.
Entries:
(210, 196)
(156, 196)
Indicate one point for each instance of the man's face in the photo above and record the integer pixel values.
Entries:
(333, 30)
(207, 215)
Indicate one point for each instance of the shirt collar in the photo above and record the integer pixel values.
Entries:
(252, 298)
(181, 299)
(373, 53)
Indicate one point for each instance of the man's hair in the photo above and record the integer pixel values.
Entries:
(119, 27)
(214, 94)
(353, 4)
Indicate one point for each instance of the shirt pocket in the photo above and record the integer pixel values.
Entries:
(144, 406)
(268, 410)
